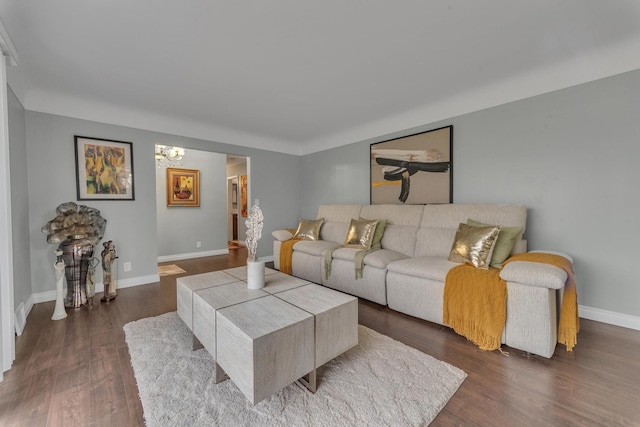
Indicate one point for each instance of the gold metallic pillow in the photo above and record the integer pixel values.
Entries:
(360, 234)
(474, 245)
(308, 229)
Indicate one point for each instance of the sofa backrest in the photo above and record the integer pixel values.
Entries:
(403, 222)
(336, 221)
(440, 223)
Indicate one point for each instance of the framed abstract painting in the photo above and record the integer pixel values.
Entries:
(104, 169)
(414, 169)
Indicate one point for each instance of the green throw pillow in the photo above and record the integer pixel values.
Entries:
(377, 236)
(506, 239)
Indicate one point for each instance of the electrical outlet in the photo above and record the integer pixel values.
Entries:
(257, 202)
(127, 266)
(198, 244)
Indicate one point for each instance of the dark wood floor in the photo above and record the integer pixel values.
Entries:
(77, 371)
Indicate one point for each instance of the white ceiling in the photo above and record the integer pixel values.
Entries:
(301, 76)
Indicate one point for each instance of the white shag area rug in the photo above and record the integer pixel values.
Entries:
(378, 382)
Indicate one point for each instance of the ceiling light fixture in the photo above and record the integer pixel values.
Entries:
(169, 156)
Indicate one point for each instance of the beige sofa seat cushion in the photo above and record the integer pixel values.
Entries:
(426, 267)
(313, 247)
(378, 259)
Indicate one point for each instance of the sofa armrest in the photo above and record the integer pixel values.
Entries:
(282, 235)
(562, 254)
(534, 274)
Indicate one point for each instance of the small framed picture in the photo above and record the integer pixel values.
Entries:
(104, 169)
(183, 187)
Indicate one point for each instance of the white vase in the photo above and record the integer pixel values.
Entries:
(255, 274)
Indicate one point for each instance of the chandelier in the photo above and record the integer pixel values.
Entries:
(169, 156)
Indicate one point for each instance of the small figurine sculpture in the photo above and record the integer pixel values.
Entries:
(108, 276)
(91, 282)
(59, 311)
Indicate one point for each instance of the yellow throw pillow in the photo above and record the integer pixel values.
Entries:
(360, 234)
(309, 229)
(474, 245)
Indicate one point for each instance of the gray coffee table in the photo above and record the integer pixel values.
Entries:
(267, 339)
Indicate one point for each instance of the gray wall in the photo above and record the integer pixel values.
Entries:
(571, 156)
(132, 225)
(179, 228)
(19, 200)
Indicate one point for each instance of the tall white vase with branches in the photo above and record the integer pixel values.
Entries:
(255, 267)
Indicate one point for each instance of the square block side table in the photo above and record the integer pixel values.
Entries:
(264, 345)
(185, 286)
(207, 301)
(336, 318)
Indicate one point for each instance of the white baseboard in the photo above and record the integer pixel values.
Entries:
(124, 283)
(19, 319)
(178, 257)
(610, 317)
(266, 258)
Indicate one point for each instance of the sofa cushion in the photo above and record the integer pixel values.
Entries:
(403, 222)
(308, 229)
(360, 234)
(450, 215)
(378, 259)
(434, 241)
(336, 221)
(440, 222)
(504, 245)
(314, 247)
(332, 231)
(474, 245)
(426, 267)
(377, 237)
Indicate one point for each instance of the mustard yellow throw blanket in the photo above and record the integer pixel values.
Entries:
(475, 304)
(286, 253)
(569, 325)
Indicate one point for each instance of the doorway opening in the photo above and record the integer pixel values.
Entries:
(237, 200)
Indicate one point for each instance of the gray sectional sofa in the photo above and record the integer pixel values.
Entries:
(408, 273)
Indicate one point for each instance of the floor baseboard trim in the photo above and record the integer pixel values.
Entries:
(124, 283)
(19, 319)
(178, 257)
(610, 317)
